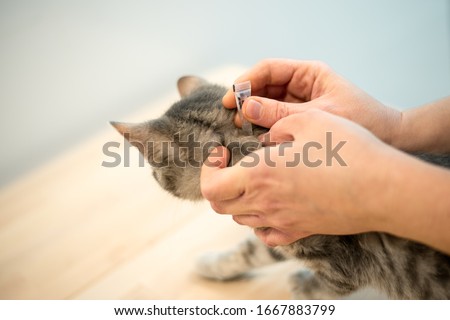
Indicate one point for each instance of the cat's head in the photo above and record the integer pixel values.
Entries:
(177, 143)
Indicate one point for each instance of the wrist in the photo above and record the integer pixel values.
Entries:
(424, 129)
(392, 126)
(383, 186)
(397, 133)
(384, 209)
(412, 202)
(403, 137)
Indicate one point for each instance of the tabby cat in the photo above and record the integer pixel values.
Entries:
(177, 143)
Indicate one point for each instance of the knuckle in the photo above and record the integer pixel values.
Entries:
(266, 237)
(206, 190)
(261, 65)
(262, 181)
(283, 123)
(238, 220)
(217, 207)
(266, 62)
(281, 110)
(260, 233)
(268, 204)
(321, 66)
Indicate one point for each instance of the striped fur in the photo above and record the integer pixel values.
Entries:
(339, 264)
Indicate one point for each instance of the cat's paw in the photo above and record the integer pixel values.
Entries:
(236, 262)
(305, 286)
(218, 266)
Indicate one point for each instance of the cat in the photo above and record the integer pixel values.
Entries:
(176, 145)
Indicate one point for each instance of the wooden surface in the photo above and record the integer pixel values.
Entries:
(76, 230)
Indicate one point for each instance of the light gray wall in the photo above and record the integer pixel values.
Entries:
(66, 67)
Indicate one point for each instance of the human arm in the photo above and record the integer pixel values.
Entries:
(380, 188)
(284, 87)
(425, 128)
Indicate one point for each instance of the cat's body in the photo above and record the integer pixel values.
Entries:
(340, 264)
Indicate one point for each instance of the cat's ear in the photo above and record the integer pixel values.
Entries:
(151, 138)
(136, 133)
(188, 84)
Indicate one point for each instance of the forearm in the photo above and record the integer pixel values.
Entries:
(425, 129)
(415, 202)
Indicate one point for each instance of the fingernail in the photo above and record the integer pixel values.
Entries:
(253, 109)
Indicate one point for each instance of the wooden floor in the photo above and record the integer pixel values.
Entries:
(74, 229)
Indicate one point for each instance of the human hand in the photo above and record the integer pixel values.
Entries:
(284, 87)
(284, 201)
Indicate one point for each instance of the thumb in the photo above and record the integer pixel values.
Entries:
(217, 181)
(265, 112)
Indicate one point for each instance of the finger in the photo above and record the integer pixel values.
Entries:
(240, 205)
(270, 72)
(299, 79)
(272, 139)
(237, 120)
(263, 76)
(273, 92)
(274, 237)
(219, 182)
(250, 220)
(273, 78)
(228, 100)
(283, 131)
(235, 207)
(265, 112)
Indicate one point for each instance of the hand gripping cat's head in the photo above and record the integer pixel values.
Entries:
(177, 143)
